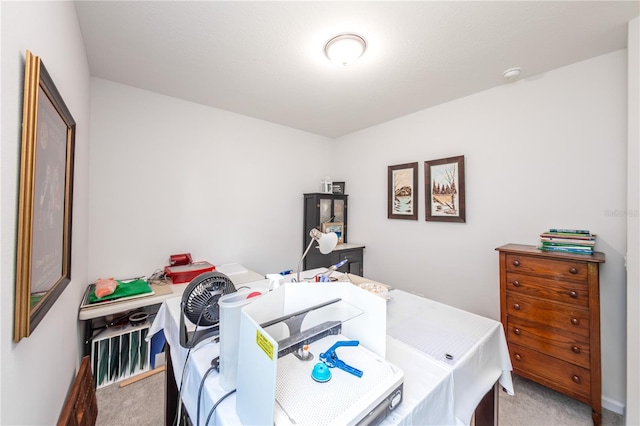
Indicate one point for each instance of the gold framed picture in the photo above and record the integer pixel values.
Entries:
(43, 258)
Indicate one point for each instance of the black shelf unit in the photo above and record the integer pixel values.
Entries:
(318, 209)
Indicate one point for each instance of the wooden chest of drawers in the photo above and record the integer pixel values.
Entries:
(550, 310)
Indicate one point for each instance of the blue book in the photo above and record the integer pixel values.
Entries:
(570, 231)
(567, 250)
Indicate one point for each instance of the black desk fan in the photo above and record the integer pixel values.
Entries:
(200, 306)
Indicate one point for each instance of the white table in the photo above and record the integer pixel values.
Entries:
(476, 345)
(419, 333)
(238, 274)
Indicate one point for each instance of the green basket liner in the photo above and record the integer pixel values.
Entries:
(124, 289)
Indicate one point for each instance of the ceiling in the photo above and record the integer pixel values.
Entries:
(265, 59)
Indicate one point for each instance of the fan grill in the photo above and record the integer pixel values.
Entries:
(201, 297)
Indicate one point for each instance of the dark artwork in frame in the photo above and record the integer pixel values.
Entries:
(338, 188)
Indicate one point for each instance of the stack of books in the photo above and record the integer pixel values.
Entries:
(568, 241)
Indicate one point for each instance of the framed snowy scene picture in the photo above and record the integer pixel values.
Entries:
(444, 189)
(402, 191)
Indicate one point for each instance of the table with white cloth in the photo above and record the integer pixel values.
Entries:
(451, 359)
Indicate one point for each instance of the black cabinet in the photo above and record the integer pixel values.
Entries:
(355, 257)
(353, 253)
(322, 208)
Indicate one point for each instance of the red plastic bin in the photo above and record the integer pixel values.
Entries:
(185, 273)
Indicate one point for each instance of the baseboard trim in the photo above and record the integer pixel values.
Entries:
(612, 405)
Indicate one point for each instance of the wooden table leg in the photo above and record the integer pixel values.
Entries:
(486, 413)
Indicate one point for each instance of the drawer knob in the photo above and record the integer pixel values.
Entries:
(573, 271)
(517, 331)
(575, 349)
(575, 321)
(516, 283)
(516, 263)
(517, 357)
(516, 306)
(573, 294)
(576, 379)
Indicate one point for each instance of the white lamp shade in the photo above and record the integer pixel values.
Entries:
(345, 49)
(327, 242)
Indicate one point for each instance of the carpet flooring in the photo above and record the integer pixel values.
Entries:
(534, 405)
(142, 404)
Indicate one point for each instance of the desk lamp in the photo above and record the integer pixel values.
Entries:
(326, 244)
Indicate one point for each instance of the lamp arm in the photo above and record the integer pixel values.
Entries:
(302, 258)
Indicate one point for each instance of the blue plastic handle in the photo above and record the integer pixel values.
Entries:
(330, 358)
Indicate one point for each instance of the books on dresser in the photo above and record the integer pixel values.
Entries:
(580, 241)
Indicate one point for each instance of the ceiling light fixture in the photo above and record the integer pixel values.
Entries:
(345, 49)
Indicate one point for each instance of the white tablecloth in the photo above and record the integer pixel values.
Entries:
(473, 348)
(437, 390)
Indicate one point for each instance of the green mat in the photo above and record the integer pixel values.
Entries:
(124, 289)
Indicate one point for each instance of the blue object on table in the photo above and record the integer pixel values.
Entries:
(332, 269)
(342, 262)
(321, 372)
(331, 358)
(157, 343)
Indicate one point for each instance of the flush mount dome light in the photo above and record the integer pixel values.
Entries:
(345, 49)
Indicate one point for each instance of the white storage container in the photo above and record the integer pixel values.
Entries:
(230, 307)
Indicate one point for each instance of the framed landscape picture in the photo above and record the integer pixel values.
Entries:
(444, 189)
(402, 191)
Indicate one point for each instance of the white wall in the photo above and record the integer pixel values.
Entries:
(548, 151)
(169, 176)
(633, 228)
(37, 372)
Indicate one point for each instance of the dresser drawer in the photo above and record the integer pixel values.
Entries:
(562, 291)
(549, 314)
(560, 344)
(553, 371)
(561, 269)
